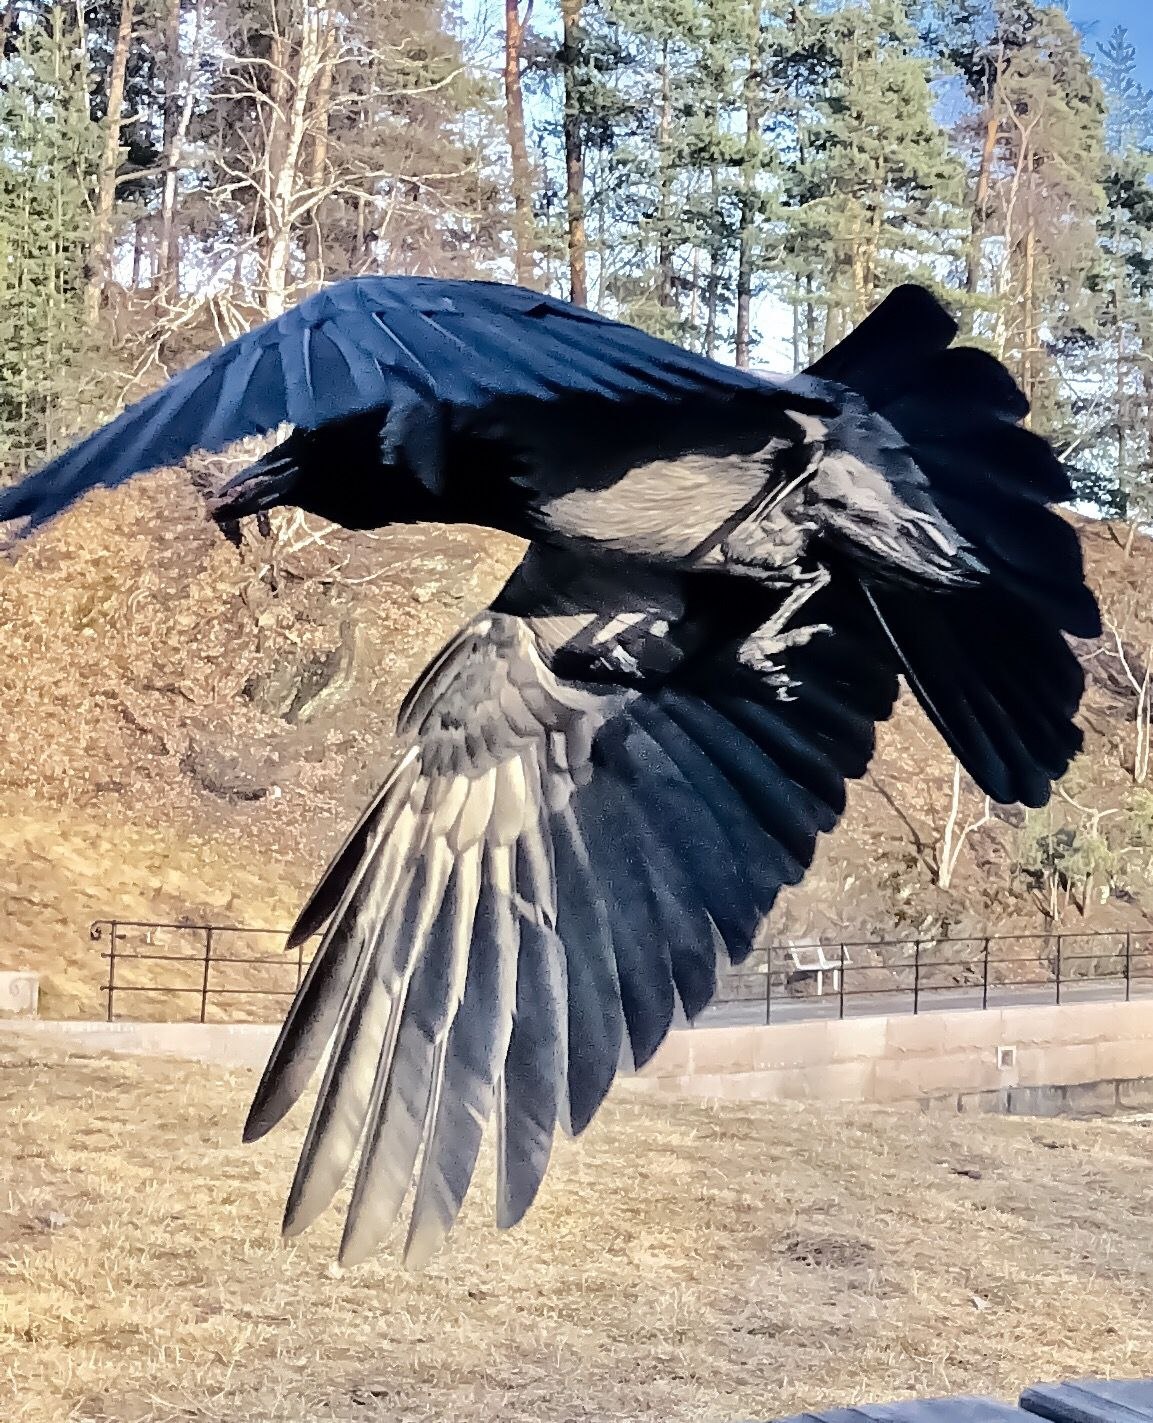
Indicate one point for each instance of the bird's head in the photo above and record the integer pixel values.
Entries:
(335, 473)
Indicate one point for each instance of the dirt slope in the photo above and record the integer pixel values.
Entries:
(189, 729)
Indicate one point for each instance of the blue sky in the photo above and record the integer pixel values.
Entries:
(1105, 15)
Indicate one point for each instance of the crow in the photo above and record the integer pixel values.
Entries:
(606, 777)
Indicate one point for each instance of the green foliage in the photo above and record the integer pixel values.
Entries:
(873, 195)
(1129, 124)
(740, 157)
(47, 162)
(1070, 854)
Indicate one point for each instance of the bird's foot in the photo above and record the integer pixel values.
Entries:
(765, 653)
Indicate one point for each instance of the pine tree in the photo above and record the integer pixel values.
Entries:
(874, 188)
(1047, 199)
(1129, 122)
(663, 150)
(48, 168)
(1115, 458)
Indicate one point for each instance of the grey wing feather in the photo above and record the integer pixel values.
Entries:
(553, 863)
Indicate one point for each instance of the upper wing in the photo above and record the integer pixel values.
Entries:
(434, 357)
(550, 861)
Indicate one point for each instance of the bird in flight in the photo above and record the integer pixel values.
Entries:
(608, 775)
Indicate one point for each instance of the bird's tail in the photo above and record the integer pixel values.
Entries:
(988, 660)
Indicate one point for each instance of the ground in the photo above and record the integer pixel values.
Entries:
(683, 1263)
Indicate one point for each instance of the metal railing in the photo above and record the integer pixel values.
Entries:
(213, 964)
(778, 983)
(211, 969)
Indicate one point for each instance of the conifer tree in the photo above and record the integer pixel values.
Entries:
(48, 166)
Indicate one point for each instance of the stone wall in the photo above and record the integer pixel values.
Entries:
(1006, 1059)
(953, 1055)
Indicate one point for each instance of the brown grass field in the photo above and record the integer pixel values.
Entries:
(683, 1263)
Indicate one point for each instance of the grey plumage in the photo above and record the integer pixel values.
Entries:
(609, 775)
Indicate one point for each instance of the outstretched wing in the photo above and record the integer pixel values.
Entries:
(549, 863)
(435, 358)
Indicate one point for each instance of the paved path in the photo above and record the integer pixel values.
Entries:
(862, 1005)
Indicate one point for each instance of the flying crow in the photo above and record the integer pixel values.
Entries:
(608, 775)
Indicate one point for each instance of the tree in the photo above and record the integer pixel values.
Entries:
(572, 60)
(48, 175)
(180, 102)
(103, 234)
(1115, 464)
(521, 171)
(1129, 121)
(874, 188)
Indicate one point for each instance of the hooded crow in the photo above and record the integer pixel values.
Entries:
(606, 778)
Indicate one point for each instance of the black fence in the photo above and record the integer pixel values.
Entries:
(786, 981)
(243, 974)
(206, 966)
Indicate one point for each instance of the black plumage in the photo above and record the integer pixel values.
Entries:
(609, 775)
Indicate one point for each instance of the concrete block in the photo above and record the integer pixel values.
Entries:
(722, 1050)
(903, 1079)
(943, 1104)
(792, 1045)
(1077, 1023)
(857, 1039)
(1036, 1101)
(19, 993)
(221, 1044)
(1057, 1063)
(994, 1103)
(1129, 1058)
(923, 1033)
(976, 1031)
(674, 1055)
(1030, 1026)
(1095, 1098)
(1136, 1095)
(727, 1087)
(836, 1082)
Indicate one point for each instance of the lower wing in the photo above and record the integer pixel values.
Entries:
(552, 862)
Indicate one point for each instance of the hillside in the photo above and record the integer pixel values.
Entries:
(190, 728)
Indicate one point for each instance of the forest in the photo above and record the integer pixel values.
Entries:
(744, 176)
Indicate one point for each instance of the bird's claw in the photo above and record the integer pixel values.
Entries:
(763, 652)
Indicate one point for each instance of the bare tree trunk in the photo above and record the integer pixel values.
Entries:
(174, 74)
(318, 115)
(953, 840)
(177, 118)
(102, 234)
(810, 322)
(574, 154)
(980, 214)
(288, 128)
(857, 264)
(695, 289)
(713, 281)
(137, 254)
(754, 113)
(514, 28)
(1143, 730)
(1029, 301)
(664, 215)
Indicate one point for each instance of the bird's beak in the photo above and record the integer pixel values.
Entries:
(265, 485)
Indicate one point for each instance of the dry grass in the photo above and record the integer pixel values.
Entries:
(684, 1263)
